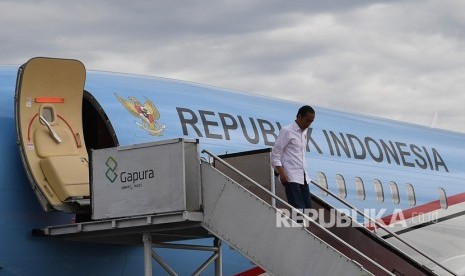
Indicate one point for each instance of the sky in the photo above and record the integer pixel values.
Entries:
(402, 60)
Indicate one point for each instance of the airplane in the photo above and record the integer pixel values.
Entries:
(410, 175)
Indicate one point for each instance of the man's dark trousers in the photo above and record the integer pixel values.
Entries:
(298, 195)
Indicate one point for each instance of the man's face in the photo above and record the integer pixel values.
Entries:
(305, 121)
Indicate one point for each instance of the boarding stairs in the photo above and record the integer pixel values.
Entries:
(216, 205)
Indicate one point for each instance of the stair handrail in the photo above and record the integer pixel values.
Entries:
(380, 226)
(304, 216)
(318, 225)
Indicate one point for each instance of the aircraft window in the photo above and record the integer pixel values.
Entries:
(442, 198)
(411, 195)
(379, 190)
(360, 188)
(323, 181)
(341, 186)
(394, 192)
(47, 113)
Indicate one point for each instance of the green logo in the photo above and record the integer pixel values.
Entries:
(110, 174)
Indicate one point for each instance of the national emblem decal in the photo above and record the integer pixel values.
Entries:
(147, 112)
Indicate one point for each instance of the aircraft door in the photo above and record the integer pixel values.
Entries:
(48, 116)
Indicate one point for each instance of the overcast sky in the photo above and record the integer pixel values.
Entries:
(402, 60)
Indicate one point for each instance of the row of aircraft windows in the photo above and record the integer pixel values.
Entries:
(379, 192)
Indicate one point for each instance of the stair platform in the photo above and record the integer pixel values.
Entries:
(162, 227)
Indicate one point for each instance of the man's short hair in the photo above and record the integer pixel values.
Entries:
(304, 110)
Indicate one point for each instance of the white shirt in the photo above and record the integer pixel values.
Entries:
(289, 152)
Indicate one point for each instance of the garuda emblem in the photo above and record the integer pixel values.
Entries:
(147, 112)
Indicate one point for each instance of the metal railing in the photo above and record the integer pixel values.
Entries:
(321, 227)
(381, 226)
(305, 217)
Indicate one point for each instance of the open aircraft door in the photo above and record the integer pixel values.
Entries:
(48, 115)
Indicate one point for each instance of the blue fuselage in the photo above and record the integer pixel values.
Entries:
(225, 121)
